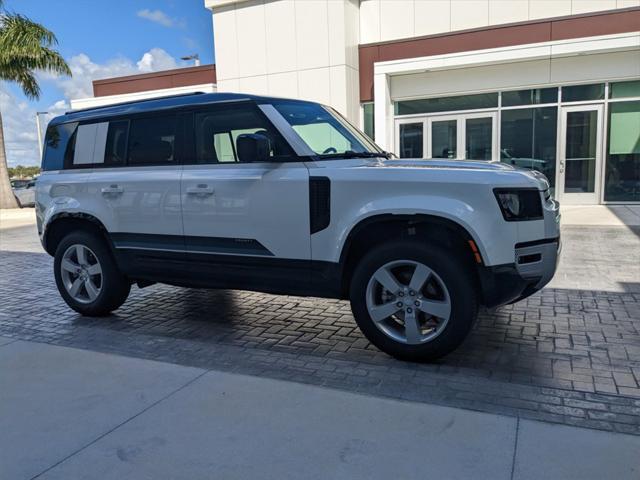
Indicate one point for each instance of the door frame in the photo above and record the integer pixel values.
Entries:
(461, 118)
(404, 121)
(592, 198)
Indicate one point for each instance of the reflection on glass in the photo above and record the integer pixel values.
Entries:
(530, 97)
(478, 137)
(447, 104)
(580, 158)
(444, 139)
(528, 139)
(411, 140)
(624, 89)
(369, 120)
(578, 93)
(622, 176)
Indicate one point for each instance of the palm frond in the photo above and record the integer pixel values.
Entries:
(25, 48)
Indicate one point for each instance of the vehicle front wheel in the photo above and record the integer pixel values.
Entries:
(87, 276)
(415, 301)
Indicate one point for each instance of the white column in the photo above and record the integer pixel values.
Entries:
(383, 111)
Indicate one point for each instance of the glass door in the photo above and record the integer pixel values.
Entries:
(480, 139)
(410, 138)
(443, 140)
(466, 136)
(580, 156)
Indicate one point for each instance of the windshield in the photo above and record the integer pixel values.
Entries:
(326, 132)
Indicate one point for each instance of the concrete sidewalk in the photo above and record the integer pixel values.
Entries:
(67, 413)
(603, 215)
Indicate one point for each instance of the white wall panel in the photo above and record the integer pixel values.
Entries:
(225, 33)
(396, 18)
(583, 6)
(369, 21)
(229, 85)
(508, 11)
(627, 3)
(549, 8)
(280, 20)
(431, 16)
(252, 49)
(283, 84)
(315, 85)
(336, 32)
(339, 88)
(352, 32)
(258, 85)
(312, 32)
(467, 14)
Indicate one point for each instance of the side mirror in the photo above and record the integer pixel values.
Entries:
(253, 147)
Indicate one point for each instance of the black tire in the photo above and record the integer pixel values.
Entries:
(454, 273)
(18, 202)
(115, 286)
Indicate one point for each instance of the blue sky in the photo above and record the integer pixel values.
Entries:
(101, 39)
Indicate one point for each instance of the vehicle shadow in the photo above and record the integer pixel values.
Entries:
(561, 338)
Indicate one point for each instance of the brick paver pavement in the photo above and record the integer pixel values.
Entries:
(569, 354)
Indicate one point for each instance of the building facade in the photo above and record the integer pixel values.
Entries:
(178, 81)
(547, 84)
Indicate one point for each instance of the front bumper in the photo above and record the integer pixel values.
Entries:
(535, 264)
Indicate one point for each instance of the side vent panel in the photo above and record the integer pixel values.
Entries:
(319, 203)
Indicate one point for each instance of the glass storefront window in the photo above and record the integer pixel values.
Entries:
(579, 93)
(447, 104)
(534, 96)
(411, 135)
(528, 139)
(369, 125)
(622, 176)
(624, 89)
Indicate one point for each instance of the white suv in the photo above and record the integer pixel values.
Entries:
(285, 196)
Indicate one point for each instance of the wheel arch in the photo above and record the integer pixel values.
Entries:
(380, 228)
(63, 223)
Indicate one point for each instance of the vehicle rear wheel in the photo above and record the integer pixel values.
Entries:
(87, 276)
(412, 300)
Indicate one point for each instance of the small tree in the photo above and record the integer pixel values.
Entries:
(25, 47)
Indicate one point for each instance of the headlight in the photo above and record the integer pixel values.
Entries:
(519, 204)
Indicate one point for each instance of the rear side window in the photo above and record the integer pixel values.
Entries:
(217, 131)
(115, 151)
(59, 139)
(152, 141)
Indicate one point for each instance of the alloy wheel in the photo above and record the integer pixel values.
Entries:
(408, 302)
(81, 273)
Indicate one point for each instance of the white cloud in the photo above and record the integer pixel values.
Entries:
(155, 60)
(84, 71)
(18, 116)
(159, 17)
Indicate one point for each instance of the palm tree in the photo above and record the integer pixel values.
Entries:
(25, 47)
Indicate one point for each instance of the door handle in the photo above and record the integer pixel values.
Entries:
(201, 189)
(112, 189)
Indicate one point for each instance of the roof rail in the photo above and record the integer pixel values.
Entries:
(130, 102)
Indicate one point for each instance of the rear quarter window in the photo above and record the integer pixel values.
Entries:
(59, 140)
